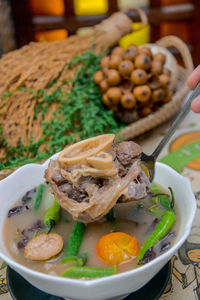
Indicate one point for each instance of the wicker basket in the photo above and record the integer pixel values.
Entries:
(106, 37)
(181, 90)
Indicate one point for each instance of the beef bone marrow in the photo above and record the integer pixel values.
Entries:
(88, 182)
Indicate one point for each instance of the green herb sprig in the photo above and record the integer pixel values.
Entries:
(80, 115)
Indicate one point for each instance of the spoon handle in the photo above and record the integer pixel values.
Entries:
(183, 112)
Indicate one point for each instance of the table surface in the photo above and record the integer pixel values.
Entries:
(185, 278)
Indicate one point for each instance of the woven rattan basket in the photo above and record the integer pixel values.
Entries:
(107, 35)
(181, 89)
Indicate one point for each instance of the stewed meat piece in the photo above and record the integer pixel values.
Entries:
(127, 151)
(100, 173)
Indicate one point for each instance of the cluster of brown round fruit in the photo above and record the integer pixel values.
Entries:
(134, 83)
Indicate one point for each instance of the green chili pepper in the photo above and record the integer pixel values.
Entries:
(38, 198)
(161, 197)
(89, 272)
(52, 215)
(78, 260)
(75, 239)
(164, 225)
(165, 201)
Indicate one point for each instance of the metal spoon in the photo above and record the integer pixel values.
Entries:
(149, 160)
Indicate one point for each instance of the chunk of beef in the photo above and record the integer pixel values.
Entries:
(127, 151)
(90, 197)
(53, 173)
(58, 178)
(137, 189)
(85, 180)
(72, 192)
(66, 188)
(100, 199)
(122, 170)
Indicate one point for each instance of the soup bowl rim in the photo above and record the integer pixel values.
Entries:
(93, 282)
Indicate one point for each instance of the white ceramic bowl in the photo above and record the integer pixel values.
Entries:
(31, 175)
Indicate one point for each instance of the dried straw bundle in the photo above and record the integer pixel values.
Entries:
(36, 65)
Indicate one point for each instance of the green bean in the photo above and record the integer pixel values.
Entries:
(111, 219)
(75, 239)
(110, 216)
(52, 215)
(164, 225)
(78, 260)
(89, 272)
(38, 198)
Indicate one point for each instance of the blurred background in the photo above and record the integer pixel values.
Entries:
(23, 21)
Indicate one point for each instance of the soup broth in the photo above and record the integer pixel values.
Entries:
(135, 218)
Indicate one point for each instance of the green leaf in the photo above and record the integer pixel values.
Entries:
(80, 115)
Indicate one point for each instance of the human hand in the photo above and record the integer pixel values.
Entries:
(193, 80)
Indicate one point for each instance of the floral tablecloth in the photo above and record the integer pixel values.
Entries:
(184, 283)
(179, 153)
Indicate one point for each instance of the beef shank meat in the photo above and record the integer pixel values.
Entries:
(89, 177)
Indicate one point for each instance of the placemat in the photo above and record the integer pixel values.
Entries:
(183, 146)
(184, 283)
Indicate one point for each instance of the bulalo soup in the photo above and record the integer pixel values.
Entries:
(115, 240)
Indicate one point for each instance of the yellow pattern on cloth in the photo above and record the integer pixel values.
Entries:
(185, 290)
